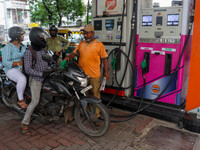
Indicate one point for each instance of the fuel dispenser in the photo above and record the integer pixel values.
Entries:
(112, 21)
(161, 57)
(161, 35)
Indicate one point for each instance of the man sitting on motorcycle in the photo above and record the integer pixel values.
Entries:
(36, 69)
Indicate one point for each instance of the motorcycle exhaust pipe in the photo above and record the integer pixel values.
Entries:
(5, 102)
(16, 108)
(13, 107)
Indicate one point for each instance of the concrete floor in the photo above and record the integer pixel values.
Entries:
(140, 133)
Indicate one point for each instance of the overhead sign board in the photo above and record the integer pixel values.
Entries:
(111, 7)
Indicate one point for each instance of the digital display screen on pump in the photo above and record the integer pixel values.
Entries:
(109, 24)
(173, 20)
(147, 20)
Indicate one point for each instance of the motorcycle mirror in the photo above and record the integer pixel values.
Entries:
(50, 52)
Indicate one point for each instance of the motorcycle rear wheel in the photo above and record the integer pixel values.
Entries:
(95, 126)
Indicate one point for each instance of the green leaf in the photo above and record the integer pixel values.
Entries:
(51, 14)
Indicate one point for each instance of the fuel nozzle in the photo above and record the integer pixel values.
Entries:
(114, 63)
(144, 65)
(63, 65)
(114, 60)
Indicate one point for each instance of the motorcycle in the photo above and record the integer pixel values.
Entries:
(61, 90)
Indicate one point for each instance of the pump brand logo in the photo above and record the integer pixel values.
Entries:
(155, 88)
(111, 4)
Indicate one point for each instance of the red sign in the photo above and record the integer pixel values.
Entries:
(111, 4)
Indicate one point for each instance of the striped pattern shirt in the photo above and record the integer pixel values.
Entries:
(10, 54)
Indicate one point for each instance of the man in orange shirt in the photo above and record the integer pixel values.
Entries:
(90, 52)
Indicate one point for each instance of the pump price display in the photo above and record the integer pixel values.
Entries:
(109, 24)
(146, 20)
(173, 20)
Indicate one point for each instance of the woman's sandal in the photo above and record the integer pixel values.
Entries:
(25, 129)
(22, 104)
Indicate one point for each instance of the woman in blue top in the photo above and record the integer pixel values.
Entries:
(12, 55)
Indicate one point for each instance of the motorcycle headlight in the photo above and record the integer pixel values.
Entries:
(83, 81)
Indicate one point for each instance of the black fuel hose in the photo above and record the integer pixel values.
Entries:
(121, 33)
(127, 56)
(132, 115)
(171, 79)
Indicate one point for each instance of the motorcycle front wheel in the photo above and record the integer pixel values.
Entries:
(94, 121)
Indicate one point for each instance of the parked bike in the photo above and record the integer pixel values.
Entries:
(61, 90)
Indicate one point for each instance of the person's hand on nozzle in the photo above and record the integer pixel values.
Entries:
(63, 64)
(67, 58)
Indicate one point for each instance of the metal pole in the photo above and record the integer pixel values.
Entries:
(88, 12)
(5, 14)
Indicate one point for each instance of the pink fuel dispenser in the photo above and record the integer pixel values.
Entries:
(161, 35)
